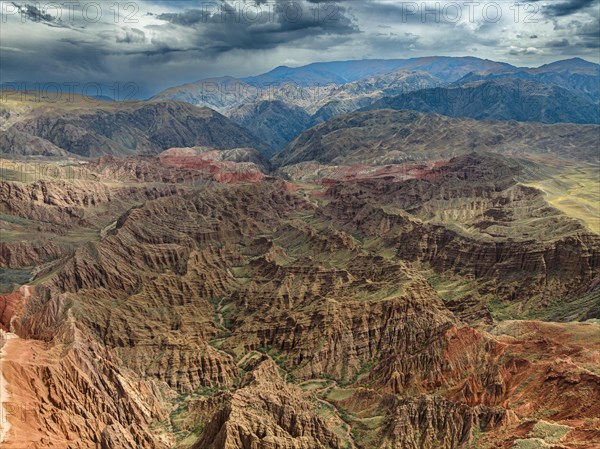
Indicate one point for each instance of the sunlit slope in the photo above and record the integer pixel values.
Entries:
(576, 192)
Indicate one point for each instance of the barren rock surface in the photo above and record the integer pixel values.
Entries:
(248, 312)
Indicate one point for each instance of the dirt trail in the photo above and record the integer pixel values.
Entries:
(5, 338)
(220, 319)
(338, 415)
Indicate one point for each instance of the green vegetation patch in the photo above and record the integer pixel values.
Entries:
(312, 385)
(549, 432)
(451, 290)
(9, 278)
(561, 310)
(340, 394)
(531, 443)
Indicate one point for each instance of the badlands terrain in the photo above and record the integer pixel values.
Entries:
(356, 271)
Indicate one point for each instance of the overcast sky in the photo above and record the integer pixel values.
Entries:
(157, 44)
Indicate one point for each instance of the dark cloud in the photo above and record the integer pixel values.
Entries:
(306, 13)
(28, 13)
(187, 18)
(584, 34)
(31, 12)
(258, 25)
(590, 31)
(565, 8)
(558, 43)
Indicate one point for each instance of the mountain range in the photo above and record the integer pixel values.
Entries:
(499, 99)
(564, 91)
(268, 111)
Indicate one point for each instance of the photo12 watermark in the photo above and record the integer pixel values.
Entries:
(70, 12)
(244, 11)
(68, 91)
(254, 11)
(467, 12)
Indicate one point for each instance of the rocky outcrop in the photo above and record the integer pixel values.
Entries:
(191, 166)
(62, 393)
(507, 216)
(26, 254)
(433, 422)
(62, 215)
(326, 337)
(68, 203)
(11, 305)
(264, 413)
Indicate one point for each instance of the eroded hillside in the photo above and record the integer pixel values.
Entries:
(192, 301)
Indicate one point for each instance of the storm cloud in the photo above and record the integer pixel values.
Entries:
(564, 8)
(157, 44)
(258, 26)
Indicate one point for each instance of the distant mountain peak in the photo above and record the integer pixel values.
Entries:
(569, 64)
